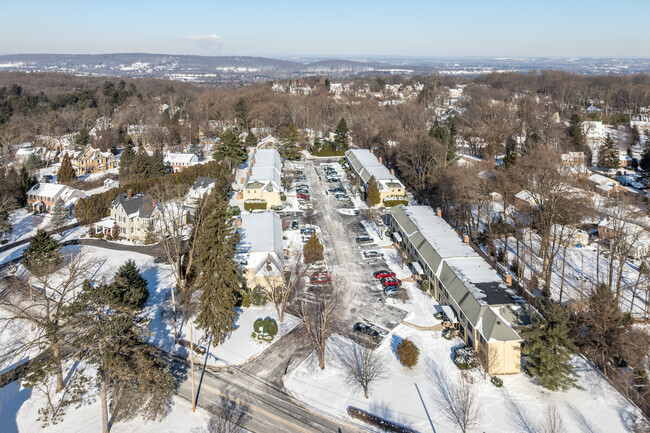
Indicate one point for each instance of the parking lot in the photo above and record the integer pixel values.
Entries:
(352, 273)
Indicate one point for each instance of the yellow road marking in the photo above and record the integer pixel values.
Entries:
(257, 409)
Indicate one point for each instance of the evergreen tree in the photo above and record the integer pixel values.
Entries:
(241, 113)
(140, 167)
(289, 137)
(66, 173)
(608, 155)
(341, 135)
(644, 163)
(59, 213)
(373, 197)
(131, 376)
(230, 147)
(157, 166)
(34, 162)
(82, 138)
(251, 140)
(219, 280)
(575, 133)
(130, 287)
(313, 250)
(195, 148)
(43, 255)
(548, 349)
(603, 326)
(327, 84)
(27, 181)
(126, 159)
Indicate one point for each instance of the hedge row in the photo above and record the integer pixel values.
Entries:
(392, 203)
(252, 205)
(376, 421)
(91, 209)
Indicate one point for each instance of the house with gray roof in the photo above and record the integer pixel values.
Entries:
(131, 215)
(365, 165)
(472, 294)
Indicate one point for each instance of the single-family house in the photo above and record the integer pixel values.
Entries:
(201, 187)
(111, 183)
(42, 196)
(90, 160)
(260, 252)
(634, 236)
(176, 162)
(132, 215)
(263, 183)
(365, 165)
(473, 297)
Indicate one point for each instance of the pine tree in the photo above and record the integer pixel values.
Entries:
(130, 287)
(644, 163)
(219, 281)
(27, 181)
(66, 173)
(140, 167)
(548, 349)
(43, 255)
(575, 133)
(373, 197)
(251, 140)
(608, 155)
(327, 84)
(82, 138)
(313, 250)
(230, 147)
(157, 166)
(131, 376)
(126, 159)
(603, 326)
(59, 213)
(341, 135)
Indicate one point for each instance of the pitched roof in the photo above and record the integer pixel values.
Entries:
(139, 205)
(366, 165)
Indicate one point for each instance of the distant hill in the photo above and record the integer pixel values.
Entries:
(242, 69)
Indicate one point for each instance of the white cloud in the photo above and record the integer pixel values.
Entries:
(208, 42)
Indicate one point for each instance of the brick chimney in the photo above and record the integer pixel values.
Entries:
(129, 193)
(253, 161)
(243, 179)
(466, 239)
(509, 280)
(372, 151)
(380, 160)
(392, 171)
(238, 222)
(439, 212)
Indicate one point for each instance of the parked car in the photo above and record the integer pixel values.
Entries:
(307, 231)
(363, 240)
(391, 290)
(299, 167)
(319, 265)
(371, 254)
(303, 196)
(294, 225)
(391, 282)
(320, 278)
(302, 177)
(302, 185)
(302, 191)
(366, 330)
(383, 274)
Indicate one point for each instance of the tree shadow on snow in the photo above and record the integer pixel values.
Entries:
(12, 398)
(583, 422)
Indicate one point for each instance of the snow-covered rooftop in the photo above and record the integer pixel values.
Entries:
(266, 167)
(261, 241)
(442, 237)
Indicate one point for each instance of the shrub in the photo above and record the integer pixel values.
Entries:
(424, 285)
(252, 205)
(464, 358)
(258, 297)
(408, 353)
(496, 381)
(276, 208)
(393, 203)
(377, 421)
(245, 298)
(283, 197)
(270, 327)
(234, 211)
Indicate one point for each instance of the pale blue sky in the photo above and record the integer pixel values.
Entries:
(347, 28)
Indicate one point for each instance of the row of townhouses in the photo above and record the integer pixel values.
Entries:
(263, 180)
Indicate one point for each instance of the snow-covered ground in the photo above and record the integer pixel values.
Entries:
(414, 397)
(19, 413)
(25, 224)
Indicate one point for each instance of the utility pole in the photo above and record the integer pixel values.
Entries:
(582, 275)
(192, 365)
(174, 314)
(31, 306)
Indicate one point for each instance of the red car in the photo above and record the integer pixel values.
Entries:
(321, 278)
(303, 196)
(384, 274)
(391, 282)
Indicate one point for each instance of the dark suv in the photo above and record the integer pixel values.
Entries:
(366, 330)
(363, 240)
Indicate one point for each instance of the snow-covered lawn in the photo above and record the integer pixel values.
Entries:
(413, 398)
(25, 224)
(20, 407)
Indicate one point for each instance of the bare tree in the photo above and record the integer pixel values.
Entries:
(41, 300)
(458, 400)
(310, 215)
(362, 365)
(552, 422)
(178, 239)
(281, 292)
(318, 314)
(488, 357)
